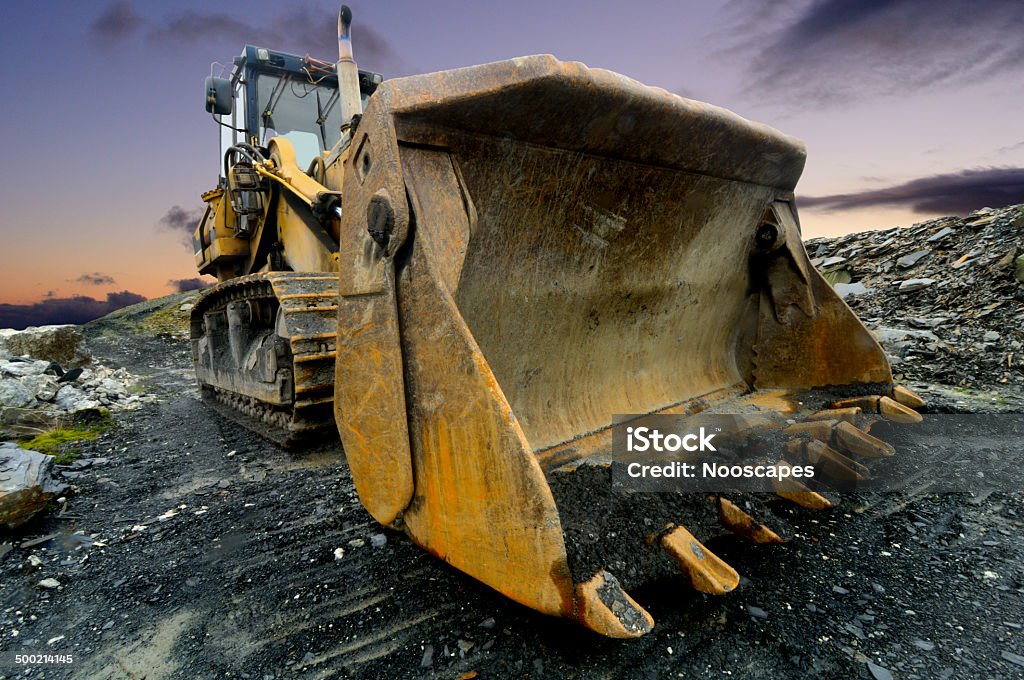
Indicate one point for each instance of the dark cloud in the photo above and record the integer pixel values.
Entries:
(179, 219)
(182, 222)
(96, 279)
(1011, 148)
(952, 194)
(52, 310)
(117, 22)
(300, 28)
(832, 51)
(183, 285)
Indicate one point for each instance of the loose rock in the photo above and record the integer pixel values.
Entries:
(1013, 658)
(43, 387)
(846, 290)
(910, 260)
(910, 285)
(13, 394)
(756, 612)
(879, 672)
(26, 484)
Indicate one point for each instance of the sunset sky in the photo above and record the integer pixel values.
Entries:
(909, 109)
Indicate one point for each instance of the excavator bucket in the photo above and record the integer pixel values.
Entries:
(529, 247)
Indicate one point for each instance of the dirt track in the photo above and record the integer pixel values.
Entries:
(240, 578)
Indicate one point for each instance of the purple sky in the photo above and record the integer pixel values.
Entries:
(909, 108)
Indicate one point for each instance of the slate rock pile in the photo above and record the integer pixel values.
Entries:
(945, 298)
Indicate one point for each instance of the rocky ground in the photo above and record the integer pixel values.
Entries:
(46, 374)
(189, 548)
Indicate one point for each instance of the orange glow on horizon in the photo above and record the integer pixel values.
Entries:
(23, 281)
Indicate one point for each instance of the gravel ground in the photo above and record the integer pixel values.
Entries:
(193, 549)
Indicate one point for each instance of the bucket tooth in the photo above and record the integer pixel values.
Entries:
(604, 607)
(818, 429)
(897, 412)
(834, 464)
(796, 491)
(742, 523)
(866, 404)
(848, 414)
(842, 435)
(812, 500)
(892, 409)
(707, 571)
(907, 397)
(856, 441)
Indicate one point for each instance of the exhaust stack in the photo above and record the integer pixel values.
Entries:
(350, 99)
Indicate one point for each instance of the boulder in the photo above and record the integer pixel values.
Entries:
(44, 387)
(71, 399)
(20, 369)
(13, 394)
(26, 484)
(48, 343)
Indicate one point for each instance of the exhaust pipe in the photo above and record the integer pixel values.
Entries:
(349, 98)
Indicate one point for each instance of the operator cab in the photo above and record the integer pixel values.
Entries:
(276, 94)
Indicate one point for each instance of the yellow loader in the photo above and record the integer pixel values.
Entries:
(467, 273)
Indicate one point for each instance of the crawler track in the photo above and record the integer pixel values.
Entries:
(263, 346)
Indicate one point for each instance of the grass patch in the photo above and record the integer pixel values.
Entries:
(167, 321)
(85, 425)
(142, 387)
(837, 275)
(55, 443)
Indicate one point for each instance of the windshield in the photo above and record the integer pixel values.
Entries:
(306, 114)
